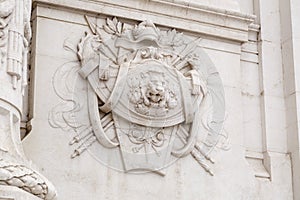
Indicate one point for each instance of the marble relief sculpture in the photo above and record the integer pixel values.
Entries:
(15, 35)
(153, 94)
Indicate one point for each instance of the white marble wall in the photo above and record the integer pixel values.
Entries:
(290, 30)
(249, 59)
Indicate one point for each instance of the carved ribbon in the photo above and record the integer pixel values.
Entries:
(96, 122)
(118, 89)
(192, 139)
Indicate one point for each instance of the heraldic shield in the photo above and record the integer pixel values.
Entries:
(149, 93)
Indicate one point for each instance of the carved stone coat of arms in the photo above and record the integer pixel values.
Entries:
(152, 94)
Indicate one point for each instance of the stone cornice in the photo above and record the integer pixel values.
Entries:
(193, 17)
(208, 9)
